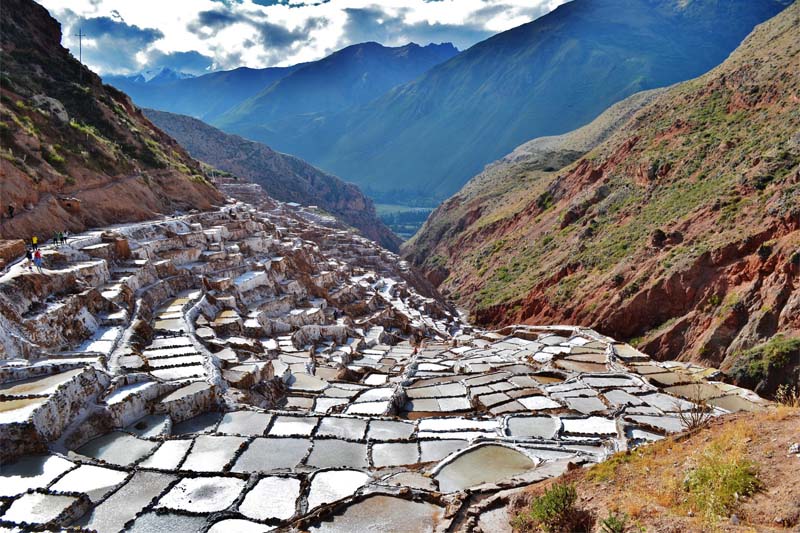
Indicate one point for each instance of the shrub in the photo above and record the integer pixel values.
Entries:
(788, 395)
(614, 523)
(719, 480)
(698, 414)
(555, 512)
(51, 155)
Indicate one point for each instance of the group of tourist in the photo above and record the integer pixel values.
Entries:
(34, 255)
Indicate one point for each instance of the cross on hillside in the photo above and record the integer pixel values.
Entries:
(80, 35)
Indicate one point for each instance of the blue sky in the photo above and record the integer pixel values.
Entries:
(199, 36)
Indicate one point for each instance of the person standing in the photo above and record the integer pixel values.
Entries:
(65, 237)
(37, 260)
(29, 258)
(56, 239)
(35, 242)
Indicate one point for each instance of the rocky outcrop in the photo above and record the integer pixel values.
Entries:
(76, 153)
(680, 231)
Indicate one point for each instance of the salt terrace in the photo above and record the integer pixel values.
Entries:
(250, 370)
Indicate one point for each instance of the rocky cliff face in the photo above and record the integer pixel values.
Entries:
(283, 176)
(680, 231)
(76, 153)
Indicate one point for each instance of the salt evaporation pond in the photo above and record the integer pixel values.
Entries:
(117, 448)
(470, 468)
(273, 498)
(331, 485)
(381, 513)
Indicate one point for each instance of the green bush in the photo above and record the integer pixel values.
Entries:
(718, 481)
(554, 512)
(614, 523)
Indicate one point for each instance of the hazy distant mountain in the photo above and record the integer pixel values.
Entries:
(352, 76)
(552, 75)
(204, 97)
(282, 176)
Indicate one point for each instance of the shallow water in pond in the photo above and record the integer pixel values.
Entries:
(39, 384)
(117, 448)
(384, 513)
(470, 468)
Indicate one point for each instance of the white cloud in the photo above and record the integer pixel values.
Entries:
(230, 33)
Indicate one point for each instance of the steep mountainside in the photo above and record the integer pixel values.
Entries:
(76, 153)
(352, 76)
(680, 231)
(427, 138)
(284, 177)
(205, 97)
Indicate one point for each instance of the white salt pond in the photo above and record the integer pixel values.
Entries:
(470, 468)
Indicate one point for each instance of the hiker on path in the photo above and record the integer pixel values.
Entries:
(60, 237)
(29, 258)
(65, 236)
(56, 241)
(37, 260)
(35, 242)
(10, 210)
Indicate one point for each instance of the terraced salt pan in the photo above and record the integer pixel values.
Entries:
(390, 430)
(594, 425)
(394, 454)
(542, 427)
(368, 408)
(239, 526)
(127, 502)
(384, 513)
(32, 472)
(169, 455)
(202, 494)
(204, 423)
(538, 403)
(470, 467)
(38, 508)
(167, 522)
(211, 453)
(188, 390)
(268, 454)
(151, 426)
(436, 450)
(334, 453)
(346, 428)
(329, 486)
(117, 448)
(293, 426)
(39, 385)
(251, 423)
(273, 498)
(94, 481)
(19, 410)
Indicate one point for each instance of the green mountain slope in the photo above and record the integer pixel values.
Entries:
(681, 231)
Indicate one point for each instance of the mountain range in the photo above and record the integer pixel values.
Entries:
(677, 225)
(412, 124)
